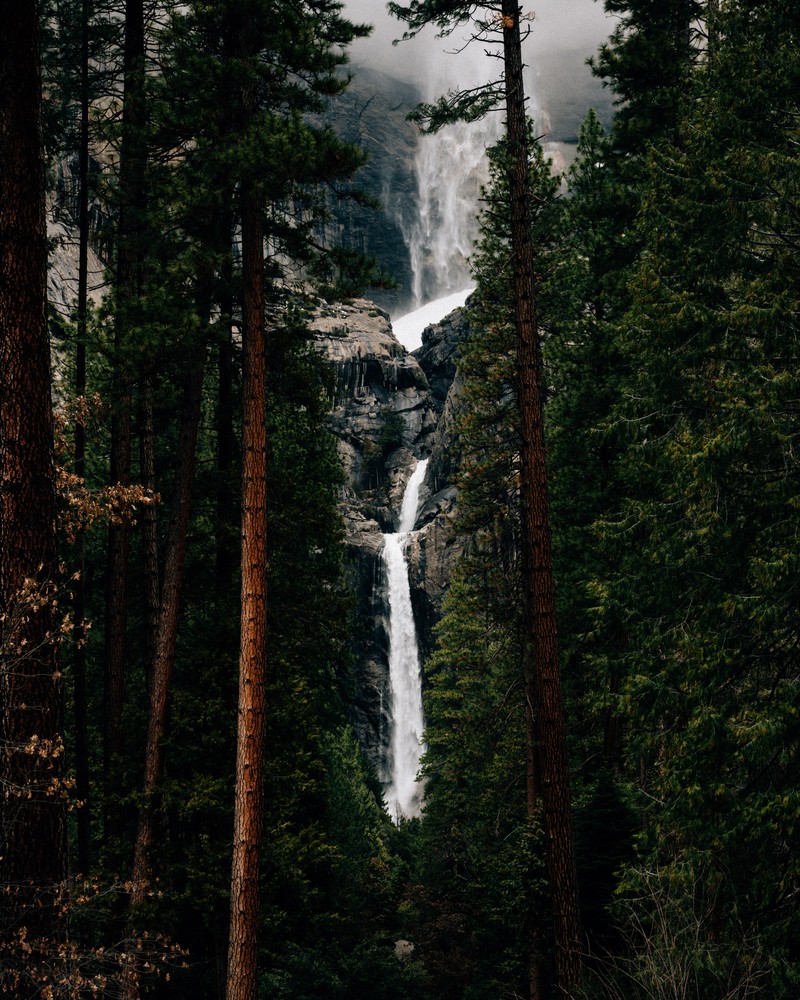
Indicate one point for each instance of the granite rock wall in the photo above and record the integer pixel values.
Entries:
(390, 409)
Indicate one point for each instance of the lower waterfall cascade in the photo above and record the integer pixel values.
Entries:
(404, 791)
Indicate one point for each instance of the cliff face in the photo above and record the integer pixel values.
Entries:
(391, 408)
(384, 414)
(435, 549)
(372, 112)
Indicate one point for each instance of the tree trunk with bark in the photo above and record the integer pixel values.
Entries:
(116, 617)
(543, 679)
(80, 693)
(33, 844)
(149, 524)
(164, 659)
(242, 979)
(226, 505)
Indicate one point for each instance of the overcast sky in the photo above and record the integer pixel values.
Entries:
(559, 25)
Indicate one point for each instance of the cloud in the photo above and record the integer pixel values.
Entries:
(558, 26)
(564, 33)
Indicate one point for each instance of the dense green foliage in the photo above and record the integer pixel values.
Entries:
(669, 315)
(689, 633)
(668, 290)
(702, 544)
(332, 873)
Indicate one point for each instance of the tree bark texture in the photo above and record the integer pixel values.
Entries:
(242, 980)
(116, 617)
(149, 524)
(164, 659)
(80, 693)
(33, 845)
(532, 795)
(226, 506)
(544, 679)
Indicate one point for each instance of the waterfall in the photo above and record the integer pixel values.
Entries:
(450, 168)
(404, 793)
(438, 226)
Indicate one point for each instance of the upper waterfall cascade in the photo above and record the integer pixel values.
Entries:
(450, 168)
(404, 793)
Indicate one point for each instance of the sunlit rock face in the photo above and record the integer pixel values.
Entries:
(390, 408)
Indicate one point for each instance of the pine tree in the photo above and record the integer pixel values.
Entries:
(482, 746)
(128, 288)
(542, 674)
(278, 158)
(242, 982)
(647, 63)
(33, 830)
(704, 536)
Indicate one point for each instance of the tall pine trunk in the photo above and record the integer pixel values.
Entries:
(80, 693)
(33, 840)
(226, 505)
(149, 523)
(242, 979)
(543, 679)
(166, 637)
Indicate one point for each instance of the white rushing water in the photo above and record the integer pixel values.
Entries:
(450, 167)
(408, 329)
(404, 794)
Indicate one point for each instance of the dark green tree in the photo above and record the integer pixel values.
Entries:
(700, 546)
(483, 797)
(647, 63)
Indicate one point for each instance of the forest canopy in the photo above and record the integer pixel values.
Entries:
(611, 779)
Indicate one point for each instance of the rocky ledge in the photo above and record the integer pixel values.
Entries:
(390, 409)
